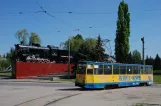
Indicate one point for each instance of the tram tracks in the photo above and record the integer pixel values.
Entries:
(47, 99)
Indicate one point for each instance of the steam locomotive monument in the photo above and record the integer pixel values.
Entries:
(34, 60)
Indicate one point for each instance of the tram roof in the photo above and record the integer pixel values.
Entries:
(116, 64)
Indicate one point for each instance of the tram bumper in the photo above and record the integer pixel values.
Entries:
(79, 84)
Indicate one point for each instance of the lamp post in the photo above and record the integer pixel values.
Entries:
(69, 57)
(70, 37)
(142, 39)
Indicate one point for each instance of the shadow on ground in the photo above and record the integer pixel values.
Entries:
(77, 89)
(84, 89)
(146, 104)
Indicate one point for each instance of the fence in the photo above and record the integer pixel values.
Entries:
(23, 70)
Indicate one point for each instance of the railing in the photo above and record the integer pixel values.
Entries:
(9, 68)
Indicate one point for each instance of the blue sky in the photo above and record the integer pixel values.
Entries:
(143, 22)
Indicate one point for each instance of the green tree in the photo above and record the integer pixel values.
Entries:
(34, 38)
(5, 62)
(4, 56)
(10, 55)
(149, 60)
(122, 46)
(0, 66)
(0, 63)
(75, 43)
(87, 48)
(136, 57)
(99, 51)
(157, 63)
(130, 58)
(22, 36)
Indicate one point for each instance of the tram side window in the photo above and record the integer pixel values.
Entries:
(99, 70)
(151, 72)
(116, 70)
(136, 70)
(90, 71)
(148, 70)
(129, 69)
(107, 69)
(122, 69)
(141, 70)
(145, 70)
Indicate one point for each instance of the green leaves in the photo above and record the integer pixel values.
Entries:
(91, 48)
(136, 57)
(122, 33)
(23, 37)
(7, 59)
(99, 50)
(157, 63)
(34, 38)
(75, 43)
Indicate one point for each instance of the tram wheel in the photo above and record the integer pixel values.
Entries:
(105, 87)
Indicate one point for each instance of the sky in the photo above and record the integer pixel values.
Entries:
(145, 21)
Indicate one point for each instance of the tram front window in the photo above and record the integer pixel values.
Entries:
(81, 69)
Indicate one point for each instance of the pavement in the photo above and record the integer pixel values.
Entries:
(29, 95)
(14, 93)
(36, 83)
(115, 97)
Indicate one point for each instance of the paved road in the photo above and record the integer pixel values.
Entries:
(114, 97)
(47, 84)
(13, 93)
(66, 94)
(42, 84)
(156, 86)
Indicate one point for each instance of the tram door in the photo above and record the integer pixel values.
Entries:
(90, 73)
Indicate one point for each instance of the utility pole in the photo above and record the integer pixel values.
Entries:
(69, 57)
(142, 39)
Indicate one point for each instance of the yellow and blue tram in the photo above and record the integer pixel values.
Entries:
(103, 75)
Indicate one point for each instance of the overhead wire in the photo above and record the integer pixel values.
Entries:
(20, 13)
(46, 12)
(69, 12)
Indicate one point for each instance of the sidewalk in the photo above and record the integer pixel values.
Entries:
(37, 80)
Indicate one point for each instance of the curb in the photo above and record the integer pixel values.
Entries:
(38, 81)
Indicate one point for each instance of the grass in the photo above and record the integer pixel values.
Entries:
(138, 105)
(157, 76)
(6, 74)
(157, 79)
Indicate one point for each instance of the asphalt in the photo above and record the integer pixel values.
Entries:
(34, 93)
(9, 82)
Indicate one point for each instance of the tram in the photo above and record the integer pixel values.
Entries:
(95, 75)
